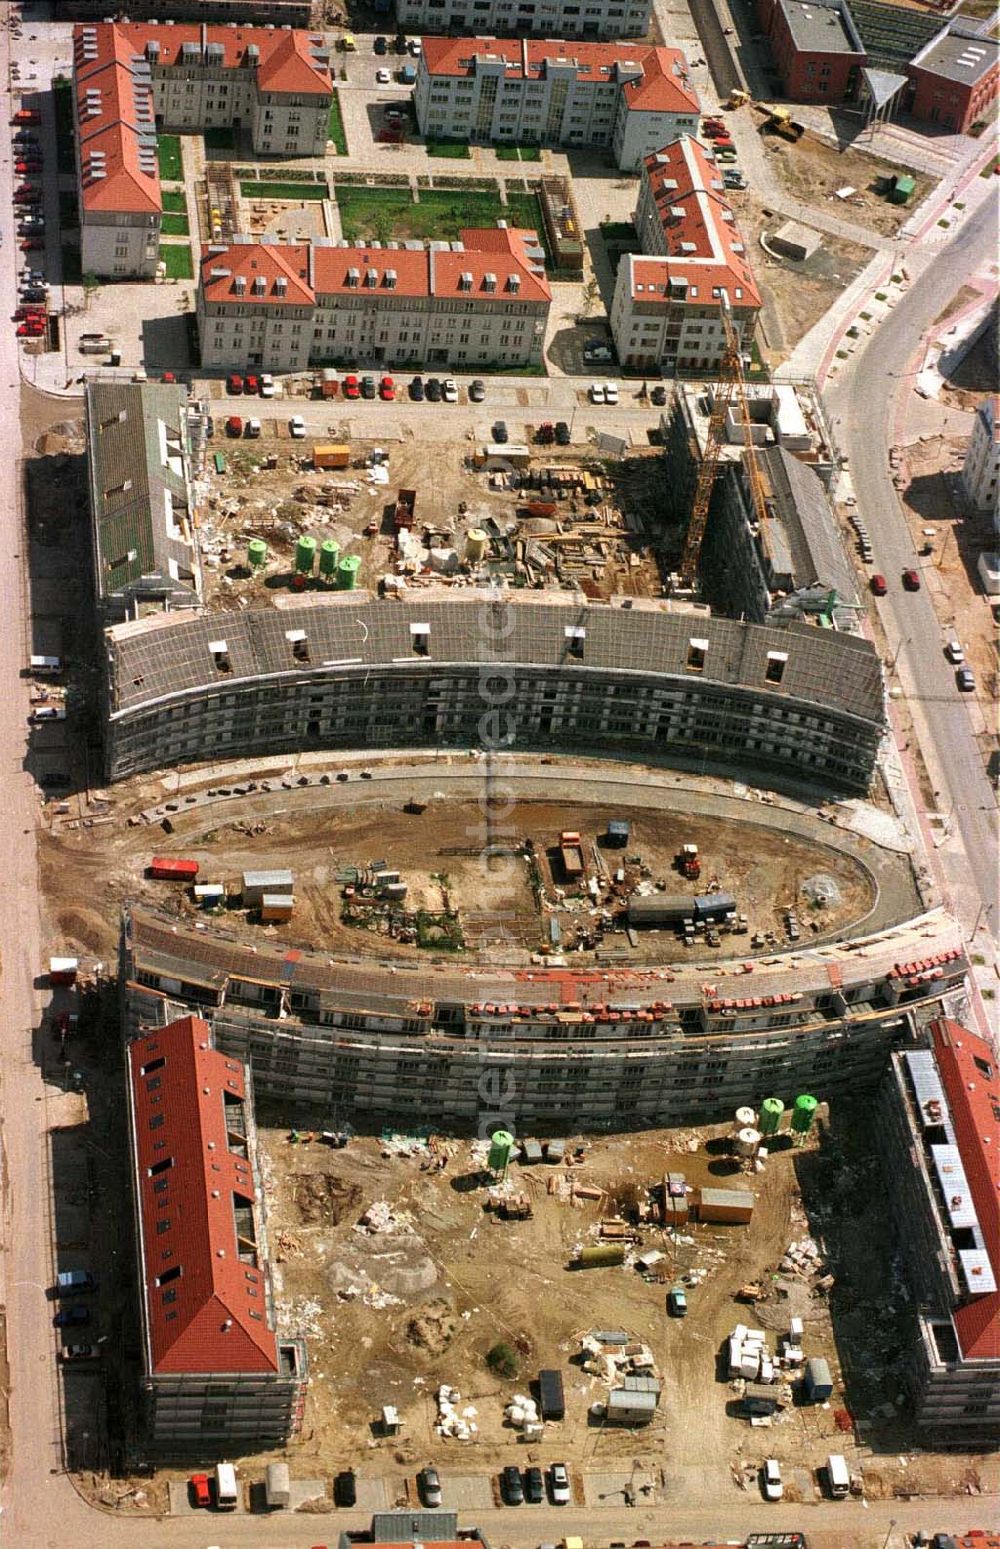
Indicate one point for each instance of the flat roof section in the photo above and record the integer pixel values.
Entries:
(818, 28)
(958, 54)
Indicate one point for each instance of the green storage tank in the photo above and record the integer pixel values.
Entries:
(329, 554)
(501, 1150)
(771, 1110)
(347, 572)
(305, 555)
(803, 1114)
(600, 1255)
(257, 553)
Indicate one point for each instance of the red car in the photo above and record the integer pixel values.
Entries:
(252, 385)
(234, 384)
(168, 376)
(201, 1495)
(27, 116)
(352, 387)
(30, 244)
(911, 580)
(387, 389)
(30, 330)
(713, 127)
(234, 426)
(27, 168)
(29, 315)
(878, 585)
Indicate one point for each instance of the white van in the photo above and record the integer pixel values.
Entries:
(46, 666)
(838, 1476)
(226, 1494)
(48, 713)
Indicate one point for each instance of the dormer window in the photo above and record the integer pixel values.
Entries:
(420, 639)
(697, 652)
(220, 655)
(775, 670)
(575, 635)
(299, 644)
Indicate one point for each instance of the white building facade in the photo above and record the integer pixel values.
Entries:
(981, 469)
(548, 18)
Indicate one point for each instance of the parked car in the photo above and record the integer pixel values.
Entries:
(30, 330)
(611, 392)
(352, 387)
(297, 427)
(511, 1487)
(770, 1478)
(27, 116)
(429, 1486)
(559, 1488)
(416, 389)
(658, 395)
(954, 653)
(345, 1488)
(73, 1316)
(234, 426)
(70, 1354)
(32, 244)
(201, 1494)
(415, 47)
(234, 384)
(251, 385)
(266, 385)
(595, 352)
(253, 430)
(879, 585)
(381, 45)
(965, 678)
(477, 391)
(450, 390)
(534, 1486)
(545, 434)
(368, 388)
(387, 389)
(677, 1302)
(432, 387)
(911, 580)
(399, 44)
(562, 433)
(596, 392)
(500, 435)
(383, 78)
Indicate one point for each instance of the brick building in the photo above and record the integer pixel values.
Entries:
(940, 1137)
(216, 1376)
(481, 301)
(816, 48)
(131, 79)
(955, 79)
(490, 91)
(666, 314)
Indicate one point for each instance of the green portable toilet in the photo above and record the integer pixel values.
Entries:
(902, 189)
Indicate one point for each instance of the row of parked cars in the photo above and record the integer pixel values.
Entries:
(724, 150)
(31, 317)
(516, 1485)
(73, 1314)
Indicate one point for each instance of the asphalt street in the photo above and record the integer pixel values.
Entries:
(863, 399)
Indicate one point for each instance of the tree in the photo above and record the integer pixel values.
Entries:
(591, 294)
(502, 1360)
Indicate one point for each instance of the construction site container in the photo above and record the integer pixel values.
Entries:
(277, 907)
(661, 909)
(277, 1486)
(617, 835)
(305, 555)
(551, 1397)
(326, 383)
(531, 1152)
(257, 883)
(256, 553)
(347, 572)
(733, 1206)
(46, 666)
(555, 1151)
(165, 868)
(675, 1211)
(329, 558)
(601, 1255)
(517, 456)
(902, 189)
(714, 906)
(63, 970)
(331, 455)
(476, 544)
(803, 1114)
(771, 1110)
(817, 1381)
(761, 1398)
(209, 895)
(501, 1149)
(631, 1404)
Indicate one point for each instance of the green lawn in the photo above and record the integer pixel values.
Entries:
(220, 139)
(336, 130)
(63, 98)
(518, 152)
(290, 191)
(457, 150)
(175, 201)
(390, 213)
(175, 226)
(177, 257)
(169, 151)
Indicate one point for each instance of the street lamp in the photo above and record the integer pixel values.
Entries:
(892, 1524)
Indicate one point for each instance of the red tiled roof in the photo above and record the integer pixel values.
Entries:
(114, 115)
(284, 59)
(663, 86)
(704, 243)
(321, 270)
(206, 1305)
(970, 1077)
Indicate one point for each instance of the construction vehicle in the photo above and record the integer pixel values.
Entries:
(688, 862)
(729, 385)
(737, 98)
(779, 120)
(571, 853)
(402, 511)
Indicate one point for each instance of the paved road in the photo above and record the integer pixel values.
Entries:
(863, 398)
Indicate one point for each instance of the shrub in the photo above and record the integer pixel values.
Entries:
(502, 1360)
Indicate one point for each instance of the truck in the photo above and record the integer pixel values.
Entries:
(331, 455)
(571, 852)
(164, 868)
(326, 384)
(94, 344)
(403, 510)
(687, 862)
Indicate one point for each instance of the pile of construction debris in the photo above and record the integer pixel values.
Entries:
(458, 1424)
(380, 1218)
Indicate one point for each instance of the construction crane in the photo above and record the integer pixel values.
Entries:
(729, 385)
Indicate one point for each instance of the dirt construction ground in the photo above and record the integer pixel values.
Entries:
(814, 170)
(764, 869)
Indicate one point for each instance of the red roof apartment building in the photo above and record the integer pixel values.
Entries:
(216, 1375)
(629, 98)
(483, 300)
(667, 311)
(941, 1148)
(131, 79)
